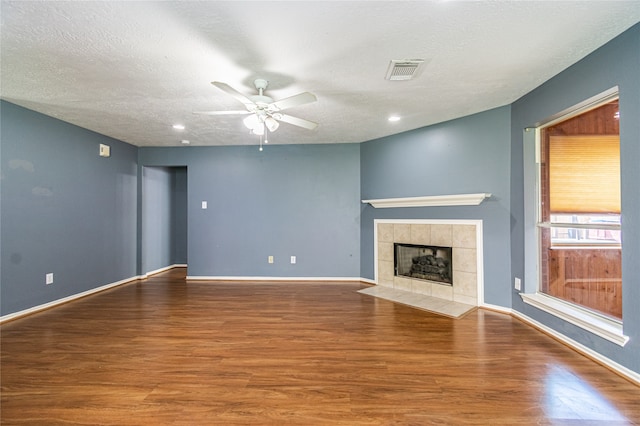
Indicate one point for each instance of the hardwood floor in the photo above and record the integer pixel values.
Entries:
(163, 351)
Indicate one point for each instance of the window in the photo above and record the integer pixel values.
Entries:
(578, 222)
(572, 213)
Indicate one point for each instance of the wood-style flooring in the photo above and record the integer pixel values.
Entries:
(169, 352)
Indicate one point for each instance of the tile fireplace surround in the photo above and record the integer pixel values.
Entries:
(464, 236)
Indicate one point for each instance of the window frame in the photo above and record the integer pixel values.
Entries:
(587, 319)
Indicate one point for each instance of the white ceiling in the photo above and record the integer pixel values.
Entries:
(130, 70)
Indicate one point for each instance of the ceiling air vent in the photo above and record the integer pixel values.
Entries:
(403, 69)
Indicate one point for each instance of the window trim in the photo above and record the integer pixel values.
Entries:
(604, 244)
(582, 107)
(599, 325)
(604, 327)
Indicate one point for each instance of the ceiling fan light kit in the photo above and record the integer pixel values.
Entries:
(252, 121)
(264, 112)
(271, 123)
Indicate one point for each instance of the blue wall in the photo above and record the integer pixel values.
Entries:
(467, 155)
(300, 200)
(164, 217)
(65, 210)
(179, 218)
(616, 63)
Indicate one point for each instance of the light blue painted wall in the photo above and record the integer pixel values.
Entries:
(65, 210)
(616, 63)
(179, 219)
(300, 200)
(164, 217)
(157, 226)
(467, 155)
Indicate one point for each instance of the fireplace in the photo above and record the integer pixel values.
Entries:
(423, 262)
(465, 284)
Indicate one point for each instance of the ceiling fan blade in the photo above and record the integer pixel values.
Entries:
(221, 112)
(300, 122)
(292, 101)
(233, 92)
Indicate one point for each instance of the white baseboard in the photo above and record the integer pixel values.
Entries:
(266, 279)
(76, 296)
(496, 308)
(166, 268)
(67, 299)
(590, 353)
(614, 366)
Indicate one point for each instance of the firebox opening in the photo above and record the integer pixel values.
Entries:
(430, 263)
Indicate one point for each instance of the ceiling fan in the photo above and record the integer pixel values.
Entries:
(265, 113)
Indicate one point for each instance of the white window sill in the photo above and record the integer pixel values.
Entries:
(606, 328)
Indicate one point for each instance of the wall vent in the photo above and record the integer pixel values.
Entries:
(403, 69)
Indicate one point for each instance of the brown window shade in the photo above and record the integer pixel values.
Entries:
(584, 174)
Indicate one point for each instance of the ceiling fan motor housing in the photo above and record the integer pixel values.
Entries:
(261, 100)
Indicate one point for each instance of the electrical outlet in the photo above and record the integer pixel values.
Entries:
(204, 205)
(270, 259)
(293, 260)
(48, 279)
(517, 283)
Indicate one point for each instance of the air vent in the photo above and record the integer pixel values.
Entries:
(403, 69)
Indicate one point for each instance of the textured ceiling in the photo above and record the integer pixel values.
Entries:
(130, 70)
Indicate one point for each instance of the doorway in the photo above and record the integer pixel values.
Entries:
(164, 218)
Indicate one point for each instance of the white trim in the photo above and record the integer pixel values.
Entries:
(431, 221)
(531, 170)
(430, 201)
(166, 268)
(76, 296)
(567, 225)
(590, 353)
(479, 245)
(67, 299)
(582, 107)
(607, 329)
(480, 261)
(497, 308)
(264, 278)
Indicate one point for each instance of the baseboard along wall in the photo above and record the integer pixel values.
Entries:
(589, 353)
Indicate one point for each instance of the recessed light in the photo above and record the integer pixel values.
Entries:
(394, 118)
(178, 126)
(185, 142)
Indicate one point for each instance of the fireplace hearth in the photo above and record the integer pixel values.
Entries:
(423, 262)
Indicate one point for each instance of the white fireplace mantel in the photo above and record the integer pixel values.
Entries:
(430, 201)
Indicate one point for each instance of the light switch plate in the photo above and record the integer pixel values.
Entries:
(105, 150)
